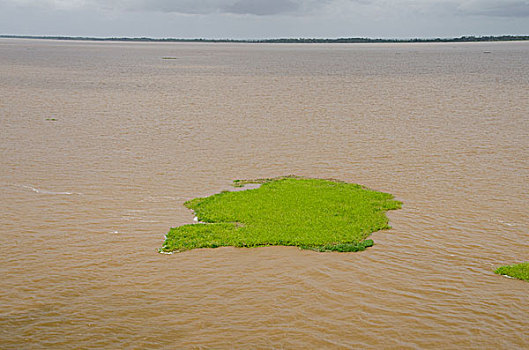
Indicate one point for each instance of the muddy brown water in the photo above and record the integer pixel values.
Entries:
(87, 198)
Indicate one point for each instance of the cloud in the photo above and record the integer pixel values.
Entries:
(46, 4)
(243, 7)
(199, 7)
(488, 8)
(496, 8)
(387, 8)
(262, 8)
(243, 19)
(179, 6)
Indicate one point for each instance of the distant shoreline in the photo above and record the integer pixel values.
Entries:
(283, 40)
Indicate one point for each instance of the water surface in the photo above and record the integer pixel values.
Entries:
(87, 199)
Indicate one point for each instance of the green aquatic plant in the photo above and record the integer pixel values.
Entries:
(519, 271)
(317, 214)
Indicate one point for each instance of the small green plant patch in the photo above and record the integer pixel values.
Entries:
(322, 215)
(519, 271)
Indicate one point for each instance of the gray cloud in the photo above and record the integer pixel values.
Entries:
(252, 19)
(180, 6)
(344, 8)
(251, 7)
(199, 7)
(262, 8)
(499, 8)
(488, 8)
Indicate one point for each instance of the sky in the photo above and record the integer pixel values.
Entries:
(260, 19)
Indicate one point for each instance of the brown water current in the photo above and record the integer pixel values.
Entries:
(85, 199)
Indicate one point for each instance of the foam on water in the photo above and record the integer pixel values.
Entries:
(43, 191)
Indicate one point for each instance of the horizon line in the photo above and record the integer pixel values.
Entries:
(470, 38)
(284, 39)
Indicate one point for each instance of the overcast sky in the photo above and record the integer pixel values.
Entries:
(255, 19)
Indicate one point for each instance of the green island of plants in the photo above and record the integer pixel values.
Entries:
(518, 271)
(317, 214)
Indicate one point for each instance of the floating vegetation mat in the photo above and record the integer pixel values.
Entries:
(317, 214)
(518, 271)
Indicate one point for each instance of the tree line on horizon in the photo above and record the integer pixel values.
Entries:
(285, 40)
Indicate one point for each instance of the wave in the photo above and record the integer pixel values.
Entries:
(43, 191)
